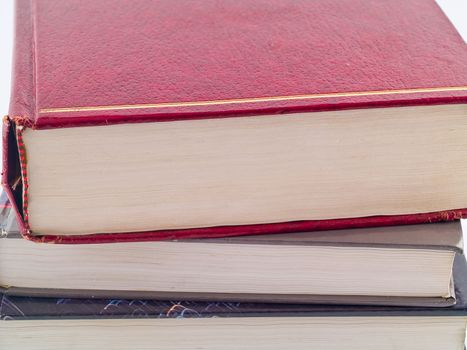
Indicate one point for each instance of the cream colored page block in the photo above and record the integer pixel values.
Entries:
(232, 171)
(270, 333)
(223, 268)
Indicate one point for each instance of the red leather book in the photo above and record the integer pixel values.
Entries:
(242, 84)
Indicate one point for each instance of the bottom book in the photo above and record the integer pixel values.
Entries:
(52, 323)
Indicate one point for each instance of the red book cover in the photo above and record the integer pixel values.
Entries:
(85, 63)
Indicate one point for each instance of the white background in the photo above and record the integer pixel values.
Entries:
(6, 43)
(456, 10)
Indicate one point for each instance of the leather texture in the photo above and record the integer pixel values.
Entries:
(111, 55)
(89, 53)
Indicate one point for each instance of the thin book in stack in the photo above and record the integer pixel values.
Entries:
(234, 174)
(121, 324)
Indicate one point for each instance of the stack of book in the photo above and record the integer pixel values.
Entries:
(234, 175)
